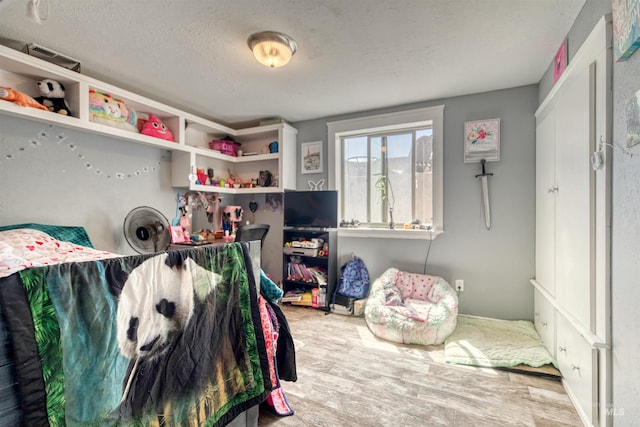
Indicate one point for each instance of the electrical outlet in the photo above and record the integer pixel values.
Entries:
(460, 285)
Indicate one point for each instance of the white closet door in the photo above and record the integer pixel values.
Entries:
(545, 201)
(574, 213)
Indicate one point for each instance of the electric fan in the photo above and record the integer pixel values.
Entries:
(147, 230)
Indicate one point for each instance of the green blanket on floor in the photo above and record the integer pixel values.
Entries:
(495, 343)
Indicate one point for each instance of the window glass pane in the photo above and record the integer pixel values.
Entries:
(424, 176)
(376, 206)
(400, 170)
(405, 158)
(355, 179)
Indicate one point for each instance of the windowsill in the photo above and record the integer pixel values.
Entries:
(385, 233)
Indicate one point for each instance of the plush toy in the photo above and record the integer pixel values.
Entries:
(52, 96)
(154, 127)
(105, 109)
(20, 98)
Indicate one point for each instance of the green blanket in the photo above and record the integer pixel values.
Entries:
(164, 339)
(495, 343)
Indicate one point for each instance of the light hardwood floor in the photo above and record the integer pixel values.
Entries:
(349, 377)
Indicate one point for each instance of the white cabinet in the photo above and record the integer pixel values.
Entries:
(573, 223)
(191, 133)
(578, 361)
(545, 201)
(544, 319)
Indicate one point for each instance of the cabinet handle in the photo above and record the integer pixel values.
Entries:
(561, 348)
(575, 367)
(544, 324)
(552, 189)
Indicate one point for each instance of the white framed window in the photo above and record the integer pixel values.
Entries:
(398, 155)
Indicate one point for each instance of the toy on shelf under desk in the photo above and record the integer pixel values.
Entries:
(107, 110)
(52, 95)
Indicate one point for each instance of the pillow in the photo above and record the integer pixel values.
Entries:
(25, 248)
(107, 110)
(77, 235)
(413, 285)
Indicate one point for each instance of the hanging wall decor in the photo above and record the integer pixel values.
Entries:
(311, 157)
(482, 140)
(633, 119)
(626, 28)
(47, 136)
(560, 61)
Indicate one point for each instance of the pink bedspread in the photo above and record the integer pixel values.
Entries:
(25, 248)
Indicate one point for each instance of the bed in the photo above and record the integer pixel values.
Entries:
(177, 338)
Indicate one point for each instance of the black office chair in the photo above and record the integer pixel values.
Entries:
(248, 233)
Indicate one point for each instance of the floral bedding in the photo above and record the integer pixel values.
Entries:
(24, 248)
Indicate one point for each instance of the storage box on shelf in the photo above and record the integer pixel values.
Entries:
(309, 267)
(192, 134)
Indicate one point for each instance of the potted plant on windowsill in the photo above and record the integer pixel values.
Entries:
(383, 185)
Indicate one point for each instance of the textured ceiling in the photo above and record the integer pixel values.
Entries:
(353, 55)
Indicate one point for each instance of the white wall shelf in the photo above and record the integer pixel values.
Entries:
(192, 133)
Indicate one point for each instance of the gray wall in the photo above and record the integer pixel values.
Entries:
(625, 241)
(625, 251)
(267, 213)
(44, 178)
(495, 264)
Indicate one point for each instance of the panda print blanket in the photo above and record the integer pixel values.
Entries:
(169, 339)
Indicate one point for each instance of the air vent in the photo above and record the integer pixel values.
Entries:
(51, 56)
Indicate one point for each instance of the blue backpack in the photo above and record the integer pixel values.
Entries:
(354, 279)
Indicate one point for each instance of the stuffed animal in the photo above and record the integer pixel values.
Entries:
(154, 127)
(52, 96)
(20, 98)
(105, 109)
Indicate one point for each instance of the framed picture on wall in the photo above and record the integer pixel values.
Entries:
(626, 28)
(482, 140)
(311, 157)
(560, 61)
(632, 108)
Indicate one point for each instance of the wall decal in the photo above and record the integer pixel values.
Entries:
(273, 201)
(61, 140)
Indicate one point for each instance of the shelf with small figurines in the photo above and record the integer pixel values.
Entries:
(101, 108)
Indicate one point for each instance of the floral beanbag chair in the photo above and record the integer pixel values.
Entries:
(411, 308)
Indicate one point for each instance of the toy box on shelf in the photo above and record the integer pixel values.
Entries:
(225, 146)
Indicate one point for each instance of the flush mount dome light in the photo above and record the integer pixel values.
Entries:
(271, 48)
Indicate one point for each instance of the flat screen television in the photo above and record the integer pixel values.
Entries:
(311, 209)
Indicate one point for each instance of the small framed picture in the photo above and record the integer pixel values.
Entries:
(632, 108)
(311, 157)
(560, 61)
(177, 234)
(482, 140)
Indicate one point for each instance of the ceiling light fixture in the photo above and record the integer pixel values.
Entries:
(271, 48)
